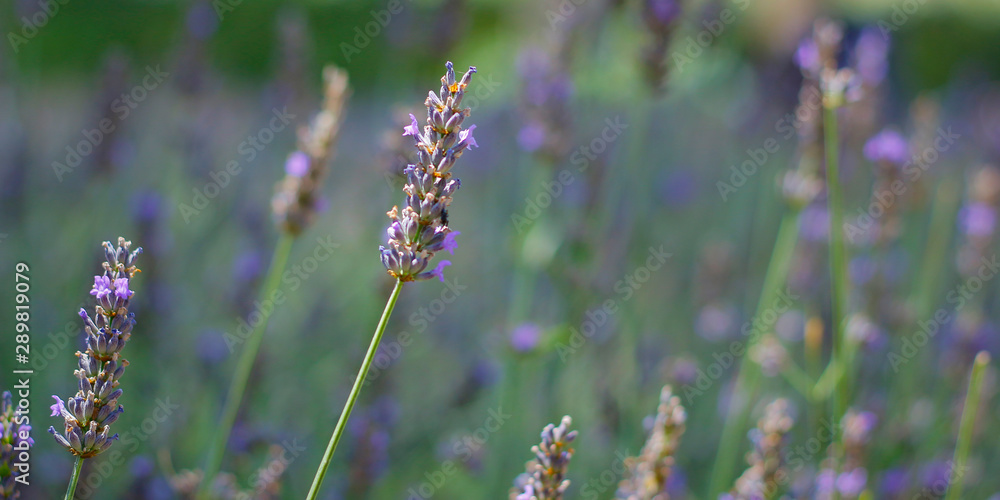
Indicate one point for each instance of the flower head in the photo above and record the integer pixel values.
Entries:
(102, 287)
(889, 147)
(88, 415)
(297, 164)
(545, 476)
(420, 229)
(296, 202)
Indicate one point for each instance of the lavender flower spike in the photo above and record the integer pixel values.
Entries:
(420, 229)
(760, 480)
(545, 476)
(649, 472)
(88, 415)
(14, 438)
(297, 198)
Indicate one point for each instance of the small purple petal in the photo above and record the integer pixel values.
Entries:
(449, 241)
(297, 164)
(438, 271)
(413, 128)
(525, 337)
(102, 287)
(467, 133)
(56, 407)
(121, 289)
(888, 146)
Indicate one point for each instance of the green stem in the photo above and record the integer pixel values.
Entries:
(967, 425)
(748, 376)
(324, 464)
(71, 489)
(243, 368)
(841, 347)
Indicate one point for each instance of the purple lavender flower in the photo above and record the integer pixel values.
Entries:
(872, 55)
(525, 337)
(807, 56)
(650, 473)
(889, 147)
(14, 438)
(766, 458)
(297, 164)
(295, 203)
(545, 477)
(89, 414)
(420, 229)
(852, 483)
(449, 243)
(978, 219)
(102, 287)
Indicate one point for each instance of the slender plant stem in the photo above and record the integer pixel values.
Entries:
(71, 489)
(338, 431)
(243, 368)
(841, 347)
(748, 377)
(967, 425)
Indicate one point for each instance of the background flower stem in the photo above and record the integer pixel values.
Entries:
(967, 425)
(324, 464)
(71, 489)
(841, 352)
(243, 368)
(748, 378)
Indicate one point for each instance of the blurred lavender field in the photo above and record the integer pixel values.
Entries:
(647, 206)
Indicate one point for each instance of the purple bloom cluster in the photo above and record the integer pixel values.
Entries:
(545, 478)
(421, 229)
(649, 474)
(297, 199)
(889, 147)
(89, 414)
(15, 437)
(766, 458)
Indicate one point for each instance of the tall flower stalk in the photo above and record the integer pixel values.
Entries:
(420, 229)
(88, 414)
(295, 205)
